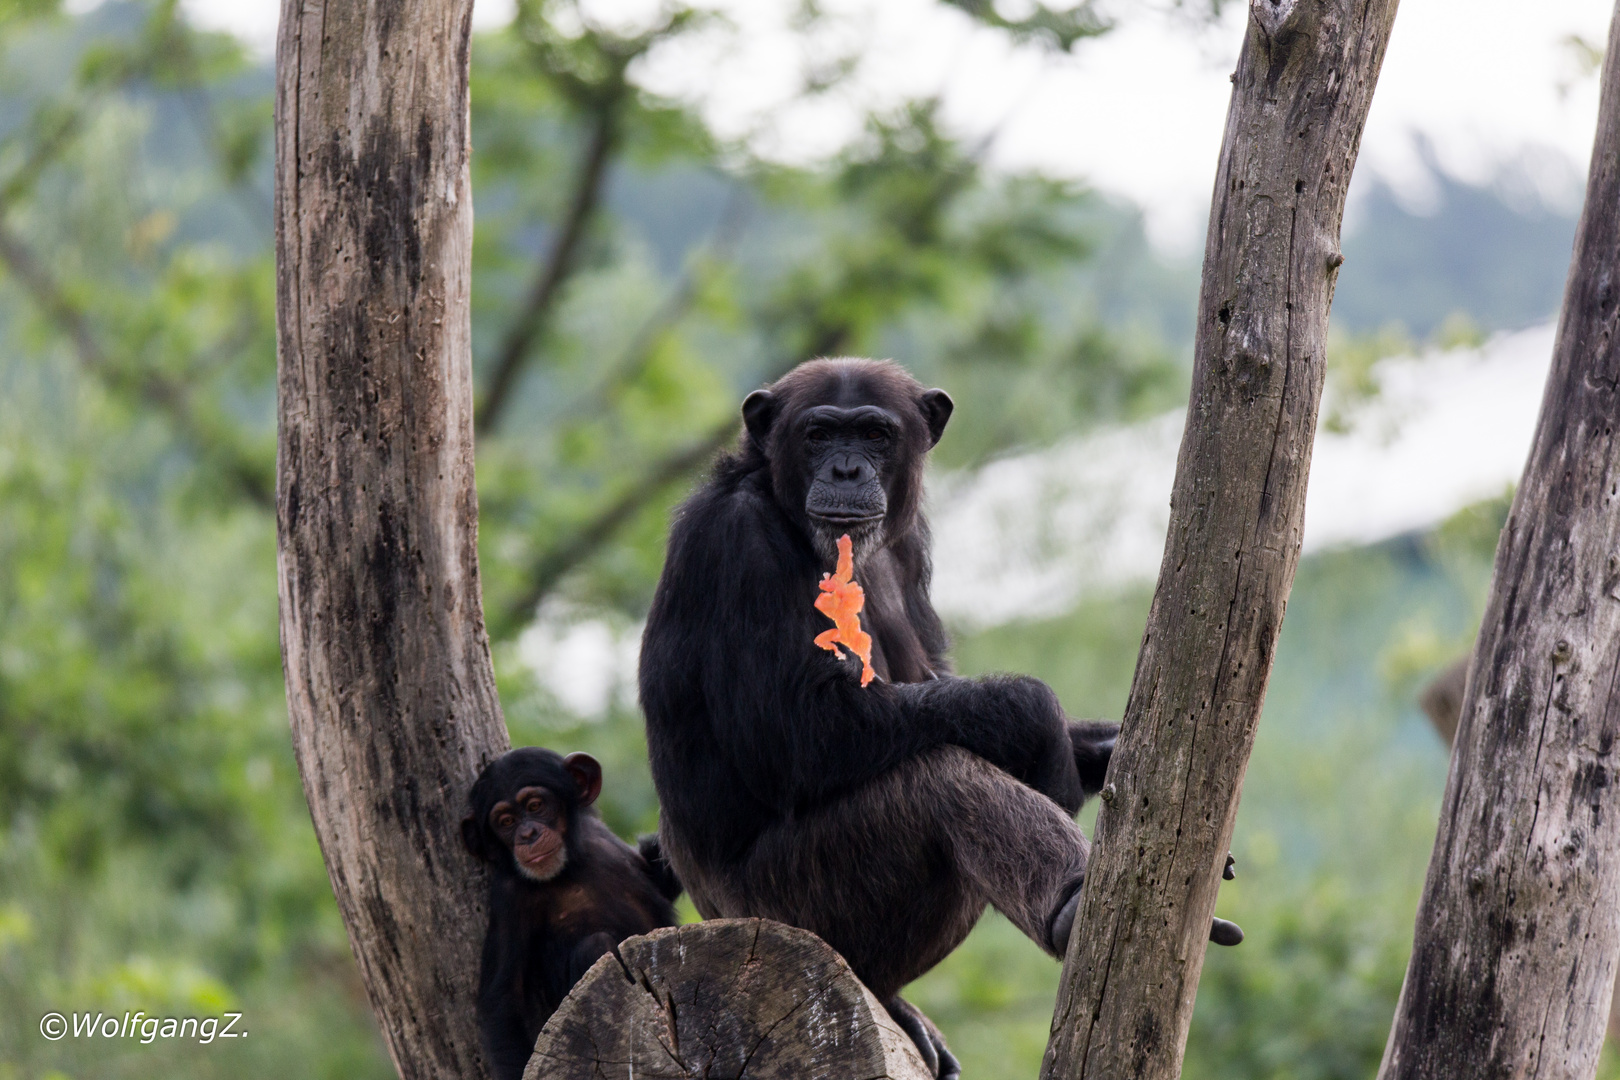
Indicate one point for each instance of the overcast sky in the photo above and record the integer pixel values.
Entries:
(1139, 111)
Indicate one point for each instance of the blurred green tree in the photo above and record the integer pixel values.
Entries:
(155, 849)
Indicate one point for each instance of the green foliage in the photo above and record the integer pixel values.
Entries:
(154, 848)
(901, 246)
(155, 851)
(1057, 27)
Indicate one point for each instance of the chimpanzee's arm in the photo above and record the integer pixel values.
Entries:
(659, 871)
(586, 953)
(738, 619)
(500, 1002)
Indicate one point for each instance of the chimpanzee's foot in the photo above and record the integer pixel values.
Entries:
(1093, 745)
(1063, 922)
(1222, 932)
(930, 1043)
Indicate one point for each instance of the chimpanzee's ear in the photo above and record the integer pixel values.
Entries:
(759, 412)
(473, 836)
(936, 408)
(587, 773)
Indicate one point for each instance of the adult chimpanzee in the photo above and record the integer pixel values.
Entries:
(563, 890)
(882, 818)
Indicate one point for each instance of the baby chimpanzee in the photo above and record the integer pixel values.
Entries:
(563, 890)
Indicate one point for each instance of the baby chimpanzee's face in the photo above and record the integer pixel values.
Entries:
(524, 804)
(533, 825)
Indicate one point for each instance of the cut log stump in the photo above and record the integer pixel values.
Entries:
(730, 999)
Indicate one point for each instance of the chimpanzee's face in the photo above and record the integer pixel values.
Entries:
(846, 442)
(533, 826)
(524, 807)
(849, 462)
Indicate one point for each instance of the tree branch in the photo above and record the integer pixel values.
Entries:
(638, 354)
(391, 697)
(1517, 935)
(555, 562)
(1300, 97)
(45, 151)
(169, 396)
(531, 321)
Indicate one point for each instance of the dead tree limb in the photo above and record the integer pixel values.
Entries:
(1518, 932)
(1300, 97)
(390, 690)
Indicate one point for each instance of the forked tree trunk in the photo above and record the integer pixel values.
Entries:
(1300, 98)
(1519, 927)
(389, 683)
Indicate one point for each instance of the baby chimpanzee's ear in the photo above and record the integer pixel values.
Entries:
(472, 834)
(587, 773)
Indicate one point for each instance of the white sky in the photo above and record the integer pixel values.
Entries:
(1139, 111)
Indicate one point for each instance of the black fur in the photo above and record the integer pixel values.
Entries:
(544, 935)
(753, 728)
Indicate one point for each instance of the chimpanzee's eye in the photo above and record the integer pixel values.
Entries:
(505, 821)
(533, 806)
(876, 435)
(816, 436)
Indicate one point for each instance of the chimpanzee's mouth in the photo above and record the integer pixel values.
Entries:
(536, 856)
(846, 518)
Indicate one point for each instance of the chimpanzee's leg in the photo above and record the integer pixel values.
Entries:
(1023, 851)
(895, 874)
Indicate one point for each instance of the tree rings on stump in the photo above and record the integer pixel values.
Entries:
(730, 999)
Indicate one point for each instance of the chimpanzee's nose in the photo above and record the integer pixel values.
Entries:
(850, 467)
(527, 833)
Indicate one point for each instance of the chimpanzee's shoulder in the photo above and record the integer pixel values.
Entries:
(730, 517)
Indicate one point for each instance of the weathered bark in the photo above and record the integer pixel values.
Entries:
(1442, 701)
(1519, 927)
(1301, 93)
(389, 685)
(728, 997)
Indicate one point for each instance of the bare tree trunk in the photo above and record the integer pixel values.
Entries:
(1301, 93)
(389, 683)
(1517, 935)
